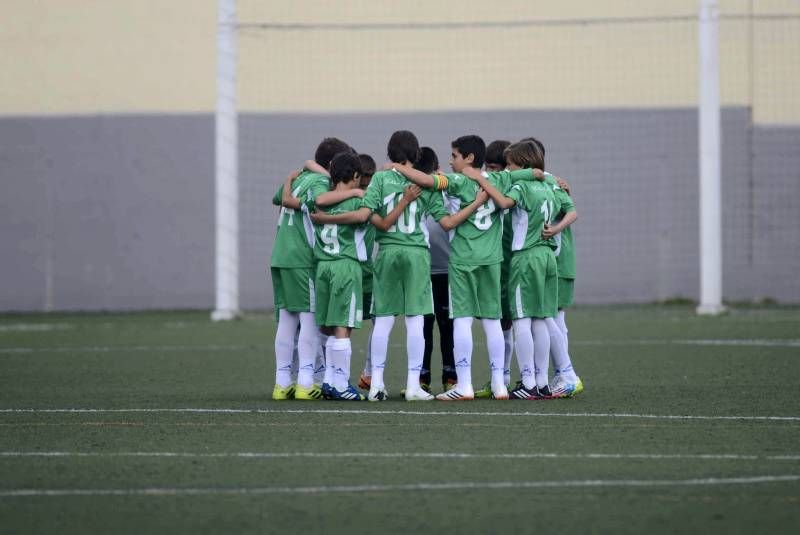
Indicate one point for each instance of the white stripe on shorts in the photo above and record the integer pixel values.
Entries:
(312, 298)
(518, 300)
(351, 318)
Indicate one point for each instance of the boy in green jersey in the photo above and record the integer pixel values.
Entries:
(533, 290)
(496, 162)
(475, 261)
(565, 381)
(291, 266)
(339, 251)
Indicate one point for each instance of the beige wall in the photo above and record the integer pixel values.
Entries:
(83, 57)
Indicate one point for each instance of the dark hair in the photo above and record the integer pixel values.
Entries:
(535, 142)
(428, 161)
(494, 152)
(403, 146)
(345, 167)
(474, 145)
(367, 165)
(328, 148)
(525, 154)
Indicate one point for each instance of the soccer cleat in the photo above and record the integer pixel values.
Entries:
(449, 384)
(424, 386)
(484, 392)
(378, 394)
(520, 392)
(364, 382)
(457, 394)
(417, 394)
(281, 394)
(327, 391)
(313, 393)
(545, 393)
(500, 392)
(348, 394)
(565, 388)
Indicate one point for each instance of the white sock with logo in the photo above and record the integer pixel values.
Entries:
(508, 343)
(541, 351)
(307, 349)
(462, 352)
(339, 352)
(495, 346)
(284, 347)
(415, 348)
(523, 343)
(379, 347)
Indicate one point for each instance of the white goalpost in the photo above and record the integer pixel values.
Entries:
(228, 271)
(227, 168)
(710, 206)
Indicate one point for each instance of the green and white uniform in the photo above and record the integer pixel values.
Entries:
(533, 278)
(565, 250)
(476, 250)
(292, 262)
(339, 251)
(401, 284)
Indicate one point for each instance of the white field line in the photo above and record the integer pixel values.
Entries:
(466, 485)
(403, 413)
(34, 327)
(219, 348)
(404, 455)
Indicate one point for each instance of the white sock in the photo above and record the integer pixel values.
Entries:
(284, 347)
(330, 366)
(495, 345)
(307, 350)
(462, 351)
(562, 324)
(379, 346)
(508, 342)
(415, 348)
(340, 351)
(368, 362)
(541, 351)
(295, 357)
(319, 365)
(524, 347)
(558, 349)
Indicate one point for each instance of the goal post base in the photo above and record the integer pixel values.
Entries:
(224, 315)
(710, 310)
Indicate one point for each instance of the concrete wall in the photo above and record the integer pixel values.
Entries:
(106, 134)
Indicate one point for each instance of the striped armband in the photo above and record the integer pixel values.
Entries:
(440, 182)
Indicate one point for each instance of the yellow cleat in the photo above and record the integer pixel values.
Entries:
(282, 394)
(309, 394)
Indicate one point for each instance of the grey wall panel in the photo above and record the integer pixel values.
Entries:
(116, 212)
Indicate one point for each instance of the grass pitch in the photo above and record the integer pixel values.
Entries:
(163, 422)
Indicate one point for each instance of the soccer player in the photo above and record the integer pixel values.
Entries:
(566, 382)
(474, 265)
(533, 285)
(292, 269)
(496, 162)
(339, 251)
(440, 253)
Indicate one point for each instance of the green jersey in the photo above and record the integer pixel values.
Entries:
(565, 250)
(535, 205)
(478, 241)
(384, 192)
(294, 240)
(335, 242)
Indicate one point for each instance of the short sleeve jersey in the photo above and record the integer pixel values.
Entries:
(294, 240)
(565, 250)
(478, 240)
(335, 242)
(384, 192)
(535, 203)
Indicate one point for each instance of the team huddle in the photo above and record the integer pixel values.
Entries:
(354, 244)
